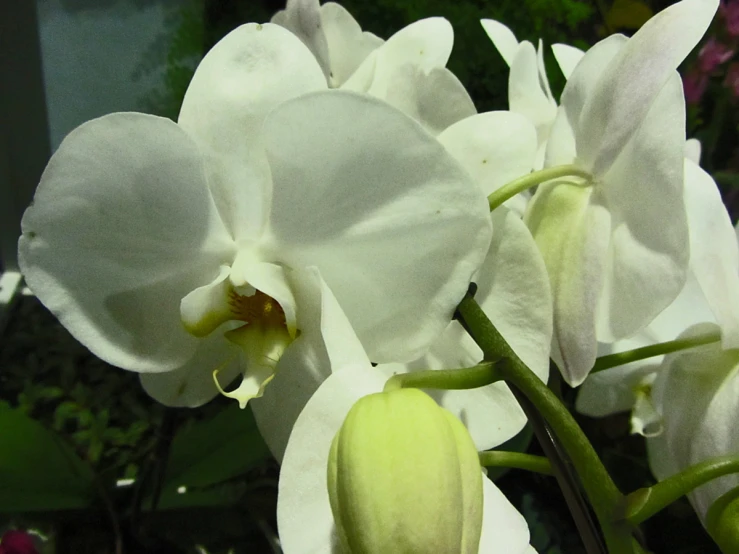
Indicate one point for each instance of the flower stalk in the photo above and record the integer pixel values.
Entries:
(644, 503)
(628, 356)
(601, 491)
(509, 190)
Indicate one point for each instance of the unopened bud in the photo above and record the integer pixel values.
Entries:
(404, 478)
(722, 522)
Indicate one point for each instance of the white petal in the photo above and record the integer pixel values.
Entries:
(647, 263)
(631, 82)
(567, 57)
(207, 307)
(192, 384)
(714, 253)
(513, 290)
(718, 435)
(542, 70)
(687, 386)
(525, 93)
(435, 98)
(425, 44)
(304, 517)
(583, 81)
(304, 19)
(122, 227)
(504, 529)
(250, 71)
(348, 46)
(572, 229)
(405, 226)
(503, 39)
(693, 150)
(494, 147)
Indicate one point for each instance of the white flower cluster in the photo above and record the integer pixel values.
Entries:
(309, 224)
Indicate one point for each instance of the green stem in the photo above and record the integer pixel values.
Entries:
(509, 190)
(602, 492)
(644, 503)
(628, 356)
(473, 377)
(517, 460)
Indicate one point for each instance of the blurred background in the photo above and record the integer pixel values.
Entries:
(88, 463)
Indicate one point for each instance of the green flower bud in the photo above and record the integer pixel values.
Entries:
(404, 478)
(722, 522)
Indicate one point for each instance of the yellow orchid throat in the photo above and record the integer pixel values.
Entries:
(263, 339)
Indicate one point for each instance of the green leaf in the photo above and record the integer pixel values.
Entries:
(38, 471)
(210, 452)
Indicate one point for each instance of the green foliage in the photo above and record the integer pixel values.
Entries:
(38, 471)
(78, 425)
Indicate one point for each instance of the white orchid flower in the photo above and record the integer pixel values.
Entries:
(710, 295)
(529, 92)
(151, 240)
(332, 35)
(528, 85)
(304, 517)
(407, 71)
(697, 394)
(613, 267)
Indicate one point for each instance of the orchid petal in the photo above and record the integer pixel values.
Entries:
(542, 71)
(692, 150)
(567, 58)
(513, 291)
(695, 390)
(647, 263)
(572, 230)
(250, 71)
(388, 242)
(630, 83)
(206, 308)
(304, 19)
(425, 44)
(504, 530)
(348, 46)
(436, 98)
(495, 148)
(717, 435)
(584, 79)
(121, 229)
(503, 39)
(192, 384)
(714, 253)
(525, 93)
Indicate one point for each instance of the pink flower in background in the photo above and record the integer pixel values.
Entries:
(694, 85)
(17, 542)
(732, 79)
(730, 12)
(713, 54)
